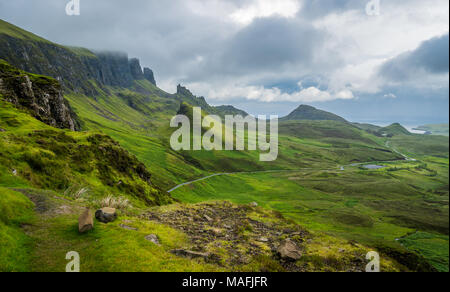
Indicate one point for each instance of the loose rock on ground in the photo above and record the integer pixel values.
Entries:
(106, 215)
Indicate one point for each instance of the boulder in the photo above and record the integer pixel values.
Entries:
(153, 238)
(128, 227)
(254, 204)
(189, 254)
(106, 215)
(289, 250)
(86, 221)
(209, 219)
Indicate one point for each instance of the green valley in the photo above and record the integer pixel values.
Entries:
(96, 133)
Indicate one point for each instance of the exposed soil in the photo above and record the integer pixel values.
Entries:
(235, 229)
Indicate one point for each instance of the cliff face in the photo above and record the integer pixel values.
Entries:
(75, 68)
(148, 74)
(40, 95)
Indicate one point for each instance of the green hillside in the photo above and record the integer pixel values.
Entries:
(317, 193)
(394, 130)
(306, 112)
(13, 31)
(367, 127)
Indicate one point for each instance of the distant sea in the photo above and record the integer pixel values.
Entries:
(409, 126)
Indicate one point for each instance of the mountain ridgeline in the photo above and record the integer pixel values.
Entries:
(121, 155)
(306, 112)
(34, 54)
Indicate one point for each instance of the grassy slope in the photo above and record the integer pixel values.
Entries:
(15, 210)
(305, 112)
(304, 144)
(374, 207)
(16, 32)
(136, 131)
(32, 241)
(141, 124)
(433, 246)
(394, 129)
(55, 159)
(436, 146)
(42, 245)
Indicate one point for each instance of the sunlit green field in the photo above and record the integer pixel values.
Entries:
(143, 129)
(374, 207)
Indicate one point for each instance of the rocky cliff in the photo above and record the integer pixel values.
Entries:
(148, 74)
(31, 53)
(41, 96)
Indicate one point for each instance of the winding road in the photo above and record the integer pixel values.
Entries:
(341, 168)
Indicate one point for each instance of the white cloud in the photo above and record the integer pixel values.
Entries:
(264, 8)
(237, 49)
(262, 94)
(390, 95)
(363, 43)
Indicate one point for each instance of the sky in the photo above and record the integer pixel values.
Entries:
(381, 65)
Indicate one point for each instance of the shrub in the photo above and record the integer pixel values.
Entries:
(76, 192)
(113, 202)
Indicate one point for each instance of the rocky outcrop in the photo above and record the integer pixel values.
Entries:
(153, 238)
(289, 250)
(210, 224)
(190, 254)
(34, 54)
(106, 215)
(136, 70)
(41, 96)
(128, 227)
(148, 74)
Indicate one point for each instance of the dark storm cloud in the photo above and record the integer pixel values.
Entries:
(198, 42)
(169, 37)
(165, 35)
(271, 43)
(430, 57)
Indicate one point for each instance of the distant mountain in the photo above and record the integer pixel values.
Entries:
(393, 130)
(184, 95)
(112, 94)
(435, 129)
(367, 127)
(306, 112)
(229, 110)
(94, 73)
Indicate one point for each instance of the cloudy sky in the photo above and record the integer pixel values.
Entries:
(269, 56)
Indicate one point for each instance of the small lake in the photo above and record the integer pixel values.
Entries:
(373, 166)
